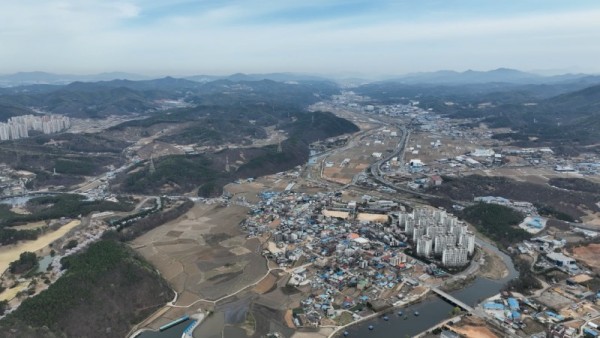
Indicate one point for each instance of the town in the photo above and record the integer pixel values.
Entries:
(417, 221)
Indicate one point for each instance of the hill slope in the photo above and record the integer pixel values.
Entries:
(103, 293)
(183, 173)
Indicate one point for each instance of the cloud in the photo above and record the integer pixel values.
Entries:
(259, 36)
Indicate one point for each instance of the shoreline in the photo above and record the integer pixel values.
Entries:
(395, 306)
(453, 287)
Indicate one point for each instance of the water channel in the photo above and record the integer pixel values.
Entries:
(173, 332)
(433, 310)
(18, 200)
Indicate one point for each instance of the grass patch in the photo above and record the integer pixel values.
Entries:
(344, 319)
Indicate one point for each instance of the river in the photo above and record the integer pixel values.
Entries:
(433, 309)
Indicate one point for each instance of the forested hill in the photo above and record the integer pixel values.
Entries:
(184, 173)
(124, 97)
(565, 121)
(104, 292)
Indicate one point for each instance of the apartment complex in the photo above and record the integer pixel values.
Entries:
(19, 126)
(435, 233)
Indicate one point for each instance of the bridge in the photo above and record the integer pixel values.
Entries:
(452, 300)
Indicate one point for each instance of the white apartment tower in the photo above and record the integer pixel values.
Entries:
(424, 245)
(455, 256)
(468, 241)
(442, 241)
(418, 232)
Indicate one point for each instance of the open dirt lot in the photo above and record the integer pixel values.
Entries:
(321, 333)
(11, 293)
(11, 253)
(588, 254)
(30, 226)
(474, 332)
(592, 218)
(203, 254)
(473, 328)
(360, 155)
(421, 142)
(247, 190)
(529, 174)
(372, 217)
(554, 299)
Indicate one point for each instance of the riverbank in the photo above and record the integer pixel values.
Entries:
(397, 305)
(435, 310)
(493, 266)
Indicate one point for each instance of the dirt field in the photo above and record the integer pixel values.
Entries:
(11, 293)
(472, 327)
(29, 226)
(246, 190)
(372, 217)
(450, 147)
(322, 333)
(474, 332)
(592, 218)
(339, 175)
(554, 299)
(588, 254)
(266, 284)
(529, 174)
(203, 254)
(338, 214)
(359, 152)
(10, 253)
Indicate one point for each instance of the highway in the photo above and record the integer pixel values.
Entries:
(375, 168)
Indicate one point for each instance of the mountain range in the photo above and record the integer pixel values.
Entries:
(500, 75)
(442, 77)
(41, 78)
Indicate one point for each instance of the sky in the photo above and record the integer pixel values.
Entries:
(329, 37)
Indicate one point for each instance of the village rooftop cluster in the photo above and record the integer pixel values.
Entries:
(351, 257)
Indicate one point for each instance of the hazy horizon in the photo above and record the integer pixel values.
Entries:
(340, 75)
(348, 38)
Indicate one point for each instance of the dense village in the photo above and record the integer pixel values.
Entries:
(356, 258)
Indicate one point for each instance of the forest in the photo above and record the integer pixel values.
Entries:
(496, 222)
(108, 287)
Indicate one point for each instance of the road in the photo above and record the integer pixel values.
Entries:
(375, 168)
(377, 175)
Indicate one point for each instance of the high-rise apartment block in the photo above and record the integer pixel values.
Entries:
(19, 126)
(435, 232)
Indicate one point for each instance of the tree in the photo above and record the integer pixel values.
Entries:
(71, 244)
(3, 306)
(26, 262)
(455, 311)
